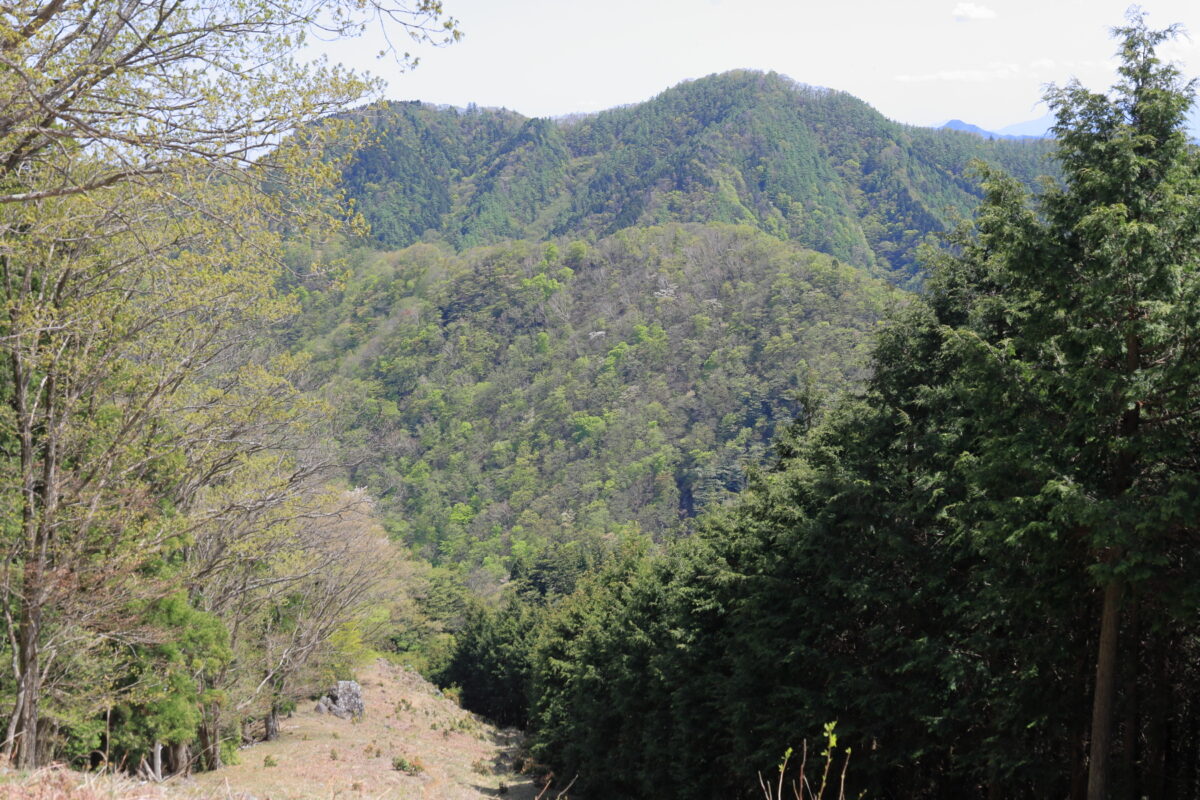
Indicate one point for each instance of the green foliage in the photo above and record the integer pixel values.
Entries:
(928, 559)
(163, 704)
(798, 783)
(814, 166)
(409, 766)
(495, 420)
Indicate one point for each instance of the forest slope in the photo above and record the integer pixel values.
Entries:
(516, 395)
(812, 165)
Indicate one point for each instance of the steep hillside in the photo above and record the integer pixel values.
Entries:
(516, 395)
(810, 165)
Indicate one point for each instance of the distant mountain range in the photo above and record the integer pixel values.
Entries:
(1040, 128)
(1034, 129)
(814, 166)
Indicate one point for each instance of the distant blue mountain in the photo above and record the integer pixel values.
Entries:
(1039, 128)
(966, 127)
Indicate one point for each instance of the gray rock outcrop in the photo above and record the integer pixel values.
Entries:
(344, 701)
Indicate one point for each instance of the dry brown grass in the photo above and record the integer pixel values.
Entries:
(460, 757)
(59, 783)
(407, 720)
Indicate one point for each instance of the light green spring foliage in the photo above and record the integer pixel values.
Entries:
(150, 88)
(135, 390)
(518, 395)
(139, 227)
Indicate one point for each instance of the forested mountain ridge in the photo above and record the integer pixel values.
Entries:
(612, 446)
(595, 325)
(812, 165)
(522, 395)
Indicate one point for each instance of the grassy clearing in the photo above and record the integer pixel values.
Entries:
(413, 743)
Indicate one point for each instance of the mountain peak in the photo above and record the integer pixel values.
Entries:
(808, 164)
(966, 127)
(1024, 133)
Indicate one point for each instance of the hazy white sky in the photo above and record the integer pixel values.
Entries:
(917, 61)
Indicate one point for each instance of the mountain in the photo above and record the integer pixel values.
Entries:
(810, 165)
(563, 331)
(1005, 134)
(1037, 128)
(965, 127)
(513, 397)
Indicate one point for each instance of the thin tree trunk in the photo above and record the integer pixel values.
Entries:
(1078, 789)
(10, 739)
(210, 739)
(1189, 752)
(1155, 763)
(26, 711)
(156, 762)
(1078, 745)
(1104, 697)
(271, 724)
(38, 435)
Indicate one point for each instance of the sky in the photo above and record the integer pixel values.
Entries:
(917, 61)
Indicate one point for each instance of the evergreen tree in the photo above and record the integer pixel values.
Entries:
(1082, 329)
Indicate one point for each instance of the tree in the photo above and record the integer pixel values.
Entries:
(1082, 315)
(984, 565)
(133, 386)
(140, 222)
(284, 578)
(98, 92)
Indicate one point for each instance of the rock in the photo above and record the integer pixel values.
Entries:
(344, 701)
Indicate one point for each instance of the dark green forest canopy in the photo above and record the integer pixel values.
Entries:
(810, 165)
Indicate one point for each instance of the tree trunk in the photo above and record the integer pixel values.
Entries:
(24, 726)
(1189, 753)
(271, 724)
(156, 762)
(1104, 695)
(210, 739)
(39, 449)
(1131, 735)
(1155, 764)
(179, 759)
(1078, 745)
(1079, 768)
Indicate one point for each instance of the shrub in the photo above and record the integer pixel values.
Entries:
(409, 766)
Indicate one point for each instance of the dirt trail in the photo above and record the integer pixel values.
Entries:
(460, 756)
